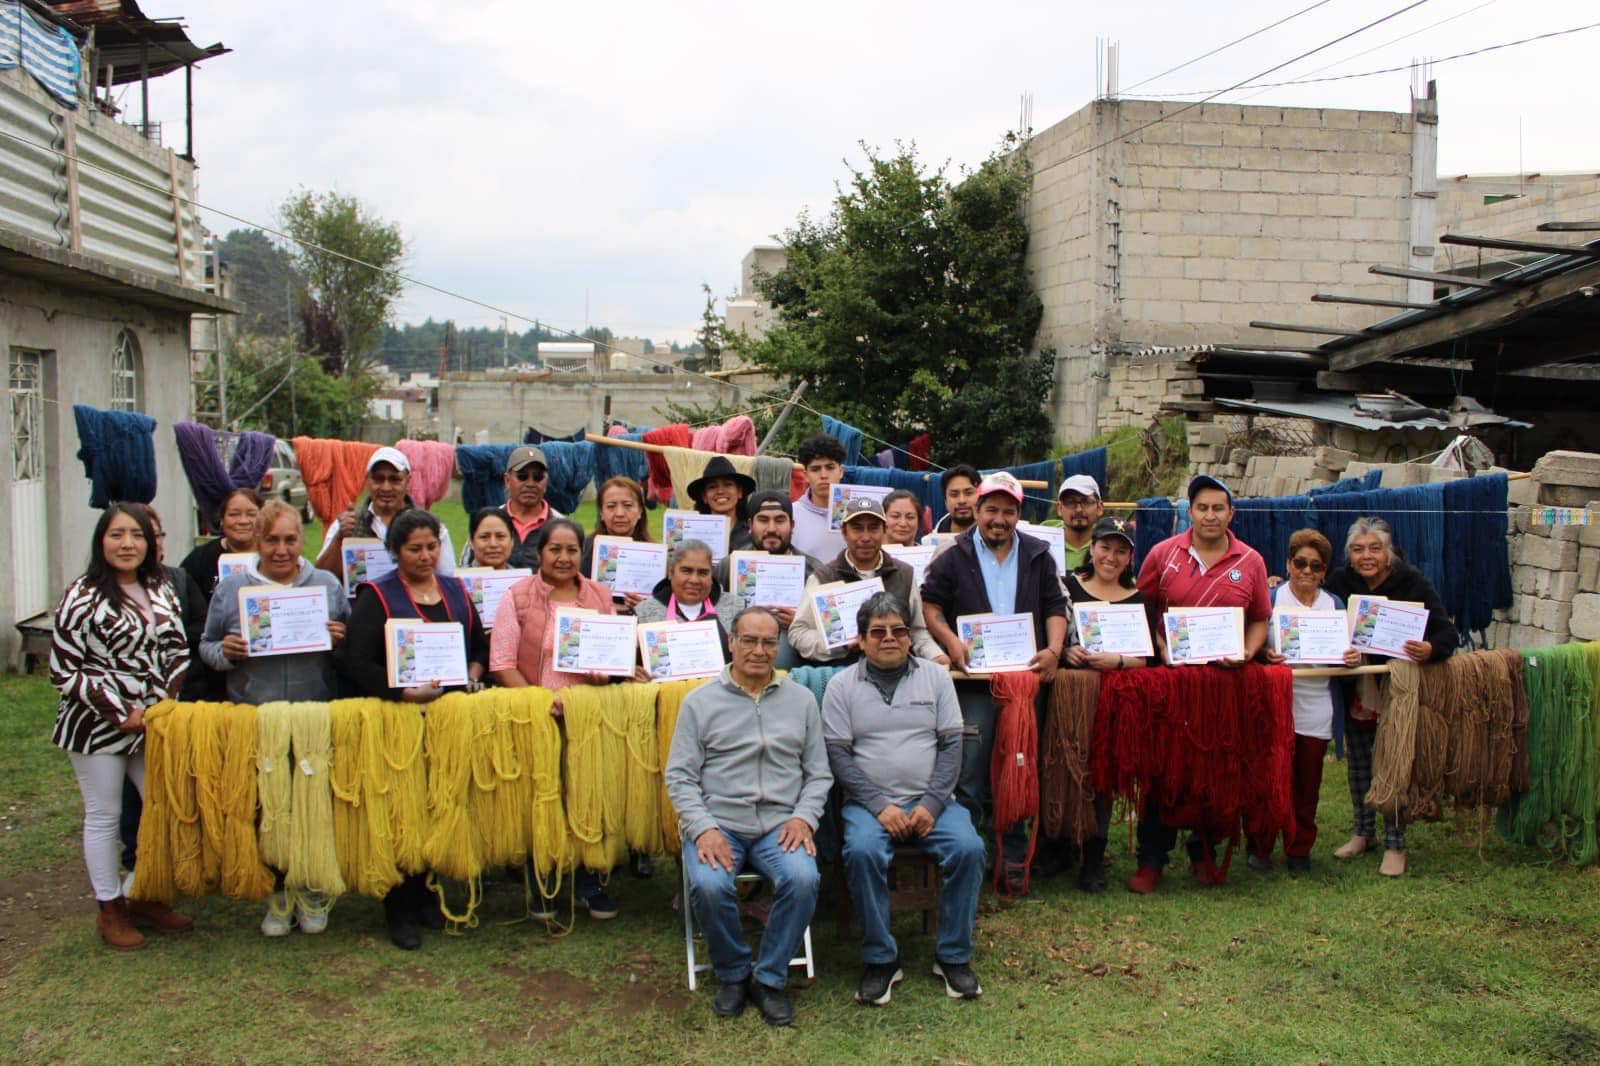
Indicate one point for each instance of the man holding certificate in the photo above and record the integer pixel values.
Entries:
(992, 570)
(748, 775)
(862, 560)
(772, 532)
(1205, 566)
(388, 497)
(1374, 568)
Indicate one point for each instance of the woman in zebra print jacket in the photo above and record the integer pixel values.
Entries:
(119, 647)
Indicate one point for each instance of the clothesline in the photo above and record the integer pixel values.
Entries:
(1302, 671)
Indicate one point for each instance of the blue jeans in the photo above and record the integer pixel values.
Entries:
(978, 716)
(952, 842)
(716, 907)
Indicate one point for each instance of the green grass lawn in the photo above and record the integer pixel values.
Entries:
(1487, 954)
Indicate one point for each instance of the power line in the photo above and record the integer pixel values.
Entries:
(169, 192)
(1225, 47)
(1408, 66)
(1270, 70)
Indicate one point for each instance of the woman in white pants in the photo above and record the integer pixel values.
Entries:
(119, 647)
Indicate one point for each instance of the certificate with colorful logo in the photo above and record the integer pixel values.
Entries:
(486, 587)
(839, 495)
(587, 642)
(230, 563)
(1203, 634)
(421, 653)
(712, 529)
(1305, 637)
(284, 621)
(835, 605)
(1113, 628)
(625, 565)
(1380, 626)
(365, 559)
(672, 650)
(764, 580)
(997, 643)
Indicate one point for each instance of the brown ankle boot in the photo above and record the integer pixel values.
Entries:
(115, 928)
(158, 916)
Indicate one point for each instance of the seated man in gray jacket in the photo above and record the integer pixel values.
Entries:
(893, 730)
(748, 776)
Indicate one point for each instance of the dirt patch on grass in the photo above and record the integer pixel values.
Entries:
(543, 1029)
(324, 1008)
(32, 905)
(550, 986)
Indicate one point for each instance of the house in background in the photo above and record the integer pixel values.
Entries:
(104, 277)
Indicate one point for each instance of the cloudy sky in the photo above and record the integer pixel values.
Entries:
(543, 157)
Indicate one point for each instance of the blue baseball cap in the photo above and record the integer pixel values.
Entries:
(1206, 481)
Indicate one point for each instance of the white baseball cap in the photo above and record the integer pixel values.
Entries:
(1082, 484)
(393, 456)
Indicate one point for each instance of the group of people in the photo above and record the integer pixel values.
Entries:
(903, 731)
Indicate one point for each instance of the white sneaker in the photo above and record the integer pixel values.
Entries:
(310, 913)
(278, 920)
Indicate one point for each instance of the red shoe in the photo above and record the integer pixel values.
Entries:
(1205, 870)
(1144, 880)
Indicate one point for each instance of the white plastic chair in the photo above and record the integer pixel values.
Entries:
(696, 967)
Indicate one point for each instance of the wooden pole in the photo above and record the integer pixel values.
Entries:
(783, 416)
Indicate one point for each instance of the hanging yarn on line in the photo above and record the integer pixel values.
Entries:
(200, 451)
(1066, 796)
(118, 452)
(334, 472)
(433, 464)
(1558, 810)
(1014, 768)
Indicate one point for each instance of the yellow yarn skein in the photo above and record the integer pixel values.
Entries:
(243, 875)
(451, 848)
(537, 739)
(398, 759)
(274, 784)
(669, 698)
(152, 877)
(313, 862)
(188, 867)
(642, 816)
(377, 871)
(210, 723)
(350, 835)
(596, 773)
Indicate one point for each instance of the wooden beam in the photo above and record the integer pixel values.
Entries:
(1497, 310)
(74, 214)
(1246, 347)
(1459, 280)
(1570, 227)
(1291, 328)
(1505, 245)
(1561, 372)
(1367, 301)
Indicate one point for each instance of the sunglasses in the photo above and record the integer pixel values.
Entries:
(529, 473)
(1316, 566)
(885, 632)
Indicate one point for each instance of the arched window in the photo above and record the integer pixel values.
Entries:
(126, 364)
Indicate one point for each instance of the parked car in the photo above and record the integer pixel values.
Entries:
(283, 480)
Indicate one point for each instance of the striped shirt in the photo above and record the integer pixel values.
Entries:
(1174, 576)
(108, 661)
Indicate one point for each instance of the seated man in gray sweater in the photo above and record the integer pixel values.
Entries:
(748, 776)
(893, 730)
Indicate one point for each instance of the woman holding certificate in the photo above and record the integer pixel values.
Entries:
(118, 648)
(902, 517)
(621, 511)
(688, 593)
(1108, 613)
(492, 538)
(522, 652)
(722, 490)
(1374, 570)
(1304, 611)
(238, 521)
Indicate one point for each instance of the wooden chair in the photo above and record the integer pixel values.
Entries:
(914, 882)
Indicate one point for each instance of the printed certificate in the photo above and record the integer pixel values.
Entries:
(284, 621)
(1305, 637)
(763, 580)
(624, 565)
(1204, 634)
(1113, 628)
(997, 643)
(420, 653)
(365, 559)
(835, 605)
(939, 541)
(486, 587)
(916, 556)
(230, 563)
(587, 642)
(1380, 626)
(679, 526)
(673, 650)
(1056, 537)
(839, 495)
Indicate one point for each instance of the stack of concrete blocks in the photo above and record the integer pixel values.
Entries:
(1555, 570)
(1138, 387)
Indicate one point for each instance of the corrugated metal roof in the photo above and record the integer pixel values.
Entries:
(1341, 410)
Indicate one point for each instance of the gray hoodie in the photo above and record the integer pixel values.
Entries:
(746, 765)
(307, 676)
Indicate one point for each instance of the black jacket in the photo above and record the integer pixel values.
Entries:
(1405, 582)
(953, 582)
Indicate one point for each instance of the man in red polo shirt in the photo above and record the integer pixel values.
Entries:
(1204, 566)
(526, 477)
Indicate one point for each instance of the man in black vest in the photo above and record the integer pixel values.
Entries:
(863, 558)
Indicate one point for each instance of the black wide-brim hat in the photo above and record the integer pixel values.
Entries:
(721, 467)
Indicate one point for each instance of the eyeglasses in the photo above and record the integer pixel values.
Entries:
(1316, 566)
(528, 473)
(764, 643)
(1079, 504)
(885, 632)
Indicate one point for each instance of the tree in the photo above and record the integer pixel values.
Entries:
(262, 276)
(909, 309)
(711, 331)
(263, 392)
(346, 256)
